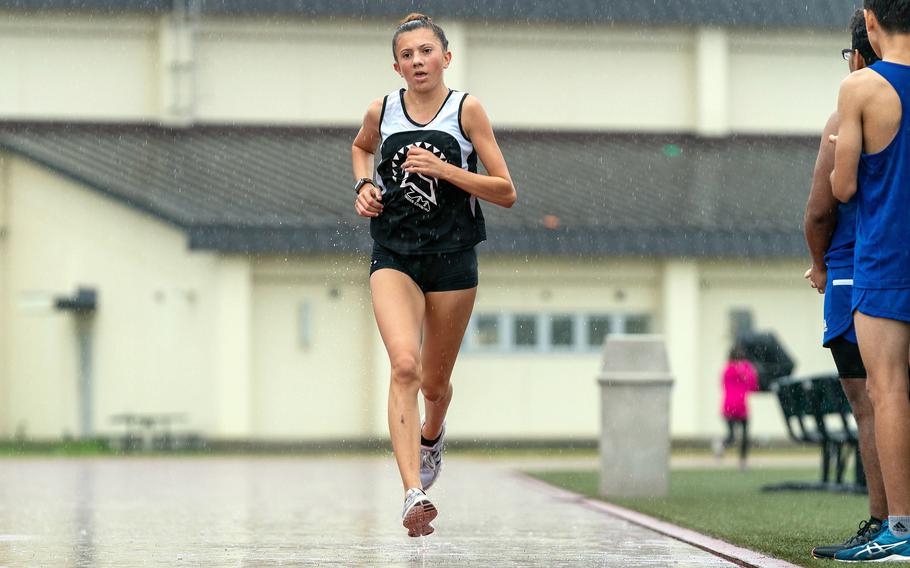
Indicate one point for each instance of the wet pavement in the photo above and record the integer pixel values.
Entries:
(302, 511)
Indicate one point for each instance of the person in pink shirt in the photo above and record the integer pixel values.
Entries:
(739, 379)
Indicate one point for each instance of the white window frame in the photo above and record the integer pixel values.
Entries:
(543, 320)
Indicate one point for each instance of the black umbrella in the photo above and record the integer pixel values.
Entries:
(770, 358)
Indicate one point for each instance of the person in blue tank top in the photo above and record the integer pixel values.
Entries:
(872, 163)
(425, 219)
(830, 229)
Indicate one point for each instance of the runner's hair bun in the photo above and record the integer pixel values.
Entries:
(415, 21)
(414, 16)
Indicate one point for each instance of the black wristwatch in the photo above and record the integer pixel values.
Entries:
(360, 183)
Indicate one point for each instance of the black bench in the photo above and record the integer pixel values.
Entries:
(816, 412)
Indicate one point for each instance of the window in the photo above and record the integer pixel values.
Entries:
(638, 324)
(549, 332)
(740, 322)
(486, 331)
(524, 331)
(562, 331)
(598, 329)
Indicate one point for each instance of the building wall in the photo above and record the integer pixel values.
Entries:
(543, 394)
(68, 67)
(518, 394)
(153, 327)
(4, 277)
(320, 72)
(313, 347)
(780, 78)
(287, 348)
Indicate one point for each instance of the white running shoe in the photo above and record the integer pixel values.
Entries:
(431, 460)
(418, 512)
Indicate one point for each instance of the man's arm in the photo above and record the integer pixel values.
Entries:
(849, 137)
(821, 209)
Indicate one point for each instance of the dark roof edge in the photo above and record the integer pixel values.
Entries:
(82, 180)
(674, 14)
(112, 6)
(224, 128)
(580, 243)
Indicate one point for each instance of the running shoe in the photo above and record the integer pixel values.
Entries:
(431, 460)
(884, 548)
(418, 512)
(868, 530)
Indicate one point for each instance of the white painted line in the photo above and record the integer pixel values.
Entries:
(738, 555)
(842, 282)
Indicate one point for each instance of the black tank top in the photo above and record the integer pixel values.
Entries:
(423, 214)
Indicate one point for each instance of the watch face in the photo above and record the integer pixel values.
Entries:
(360, 183)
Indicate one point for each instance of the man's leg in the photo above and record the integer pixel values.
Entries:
(884, 345)
(853, 380)
(855, 389)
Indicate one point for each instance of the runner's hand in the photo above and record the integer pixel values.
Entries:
(368, 202)
(817, 277)
(424, 162)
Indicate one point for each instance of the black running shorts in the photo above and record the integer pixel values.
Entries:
(432, 272)
(847, 358)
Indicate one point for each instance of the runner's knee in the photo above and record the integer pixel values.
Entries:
(405, 370)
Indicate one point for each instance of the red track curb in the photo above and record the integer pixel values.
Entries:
(738, 555)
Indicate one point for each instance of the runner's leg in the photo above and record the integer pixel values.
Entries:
(400, 306)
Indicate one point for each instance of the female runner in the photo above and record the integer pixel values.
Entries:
(425, 220)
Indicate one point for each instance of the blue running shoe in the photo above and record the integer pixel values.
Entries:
(884, 548)
(867, 532)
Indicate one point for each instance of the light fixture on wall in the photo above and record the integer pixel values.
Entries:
(85, 301)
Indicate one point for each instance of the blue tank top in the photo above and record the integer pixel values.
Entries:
(840, 251)
(882, 258)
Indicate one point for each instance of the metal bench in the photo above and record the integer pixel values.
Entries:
(816, 412)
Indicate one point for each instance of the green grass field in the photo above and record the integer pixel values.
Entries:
(729, 504)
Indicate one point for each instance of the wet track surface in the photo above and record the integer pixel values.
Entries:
(302, 511)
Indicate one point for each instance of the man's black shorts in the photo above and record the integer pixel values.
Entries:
(847, 358)
(433, 272)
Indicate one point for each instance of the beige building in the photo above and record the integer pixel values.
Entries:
(228, 267)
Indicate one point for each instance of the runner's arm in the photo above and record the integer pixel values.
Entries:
(849, 139)
(363, 150)
(496, 187)
(821, 209)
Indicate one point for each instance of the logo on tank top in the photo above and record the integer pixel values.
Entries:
(418, 188)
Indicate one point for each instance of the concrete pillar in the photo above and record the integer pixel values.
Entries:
(712, 82)
(681, 290)
(233, 346)
(177, 65)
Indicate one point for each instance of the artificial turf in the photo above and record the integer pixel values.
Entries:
(730, 505)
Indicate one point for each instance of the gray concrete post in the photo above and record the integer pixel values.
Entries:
(635, 385)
